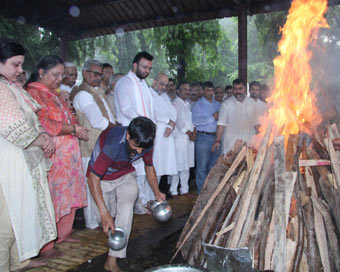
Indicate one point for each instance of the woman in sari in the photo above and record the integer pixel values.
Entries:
(66, 179)
(26, 209)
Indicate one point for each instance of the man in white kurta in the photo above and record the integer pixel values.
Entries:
(184, 135)
(164, 157)
(93, 112)
(236, 119)
(132, 98)
(69, 81)
(255, 92)
(69, 78)
(110, 96)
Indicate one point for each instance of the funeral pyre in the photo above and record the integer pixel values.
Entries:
(282, 202)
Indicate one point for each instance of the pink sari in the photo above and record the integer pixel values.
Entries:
(66, 178)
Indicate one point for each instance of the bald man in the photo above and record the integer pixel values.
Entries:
(164, 149)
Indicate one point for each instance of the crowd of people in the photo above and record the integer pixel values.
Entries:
(103, 146)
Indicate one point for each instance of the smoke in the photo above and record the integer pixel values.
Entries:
(326, 68)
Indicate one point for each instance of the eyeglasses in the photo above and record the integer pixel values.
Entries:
(96, 74)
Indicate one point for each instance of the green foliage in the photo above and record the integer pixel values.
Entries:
(194, 51)
(268, 27)
(191, 49)
(37, 42)
(260, 63)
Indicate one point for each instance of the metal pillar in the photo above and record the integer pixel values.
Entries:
(63, 47)
(242, 44)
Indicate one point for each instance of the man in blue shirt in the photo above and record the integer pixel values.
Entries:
(112, 178)
(204, 118)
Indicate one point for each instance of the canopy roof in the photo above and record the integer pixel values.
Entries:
(104, 17)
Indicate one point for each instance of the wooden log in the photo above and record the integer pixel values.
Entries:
(291, 248)
(331, 196)
(212, 181)
(334, 160)
(257, 193)
(279, 255)
(318, 222)
(333, 131)
(196, 254)
(267, 204)
(289, 183)
(322, 170)
(268, 265)
(313, 260)
(243, 178)
(240, 157)
(300, 232)
(304, 265)
(255, 234)
(250, 159)
(304, 163)
(321, 237)
(334, 248)
(291, 151)
(226, 209)
(245, 200)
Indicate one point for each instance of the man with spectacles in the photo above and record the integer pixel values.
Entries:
(133, 98)
(93, 112)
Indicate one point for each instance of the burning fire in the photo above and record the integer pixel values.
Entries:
(292, 102)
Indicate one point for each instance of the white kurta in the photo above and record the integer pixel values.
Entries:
(239, 120)
(132, 98)
(65, 88)
(184, 148)
(85, 103)
(164, 157)
(261, 108)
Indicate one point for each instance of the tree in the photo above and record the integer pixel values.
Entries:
(191, 49)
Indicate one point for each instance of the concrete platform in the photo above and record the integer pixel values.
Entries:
(146, 232)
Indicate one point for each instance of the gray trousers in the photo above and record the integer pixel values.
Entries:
(120, 196)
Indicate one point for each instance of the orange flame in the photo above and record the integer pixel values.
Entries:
(292, 102)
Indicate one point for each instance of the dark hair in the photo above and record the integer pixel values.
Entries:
(239, 81)
(264, 87)
(181, 83)
(10, 49)
(142, 131)
(255, 83)
(227, 87)
(208, 84)
(171, 79)
(141, 55)
(46, 63)
(107, 65)
(195, 84)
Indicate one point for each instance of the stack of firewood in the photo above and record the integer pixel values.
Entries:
(283, 203)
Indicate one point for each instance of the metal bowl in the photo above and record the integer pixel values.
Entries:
(118, 239)
(161, 211)
(176, 268)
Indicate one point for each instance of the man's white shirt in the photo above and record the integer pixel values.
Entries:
(239, 120)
